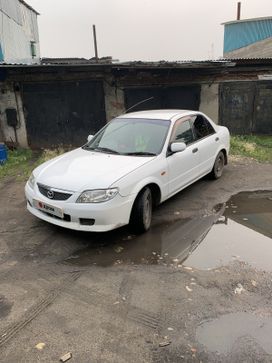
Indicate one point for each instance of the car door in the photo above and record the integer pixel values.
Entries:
(206, 143)
(182, 166)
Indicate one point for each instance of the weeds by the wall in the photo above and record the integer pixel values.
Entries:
(21, 162)
(256, 147)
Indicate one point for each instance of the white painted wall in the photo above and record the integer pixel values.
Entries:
(18, 28)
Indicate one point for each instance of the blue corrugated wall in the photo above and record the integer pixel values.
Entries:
(1, 54)
(238, 35)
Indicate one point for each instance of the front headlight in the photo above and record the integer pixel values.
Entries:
(31, 180)
(97, 196)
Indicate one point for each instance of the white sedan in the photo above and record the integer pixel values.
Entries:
(134, 163)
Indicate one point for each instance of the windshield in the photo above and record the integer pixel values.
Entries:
(131, 136)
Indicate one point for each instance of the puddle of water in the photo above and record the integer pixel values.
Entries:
(240, 229)
(168, 243)
(243, 233)
(220, 335)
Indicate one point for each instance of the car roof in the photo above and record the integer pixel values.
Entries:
(158, 114)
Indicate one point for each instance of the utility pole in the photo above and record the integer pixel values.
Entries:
(95, 44)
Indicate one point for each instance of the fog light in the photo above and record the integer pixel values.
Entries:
(87, 221)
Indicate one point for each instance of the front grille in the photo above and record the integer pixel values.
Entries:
(56, 195)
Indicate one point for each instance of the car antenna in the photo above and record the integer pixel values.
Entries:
(138, 103)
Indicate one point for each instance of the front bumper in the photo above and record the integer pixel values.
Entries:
(107, 216)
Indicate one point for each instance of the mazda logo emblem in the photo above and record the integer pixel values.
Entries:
(50, 194)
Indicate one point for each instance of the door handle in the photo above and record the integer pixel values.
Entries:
(217, 139)
(195, 150)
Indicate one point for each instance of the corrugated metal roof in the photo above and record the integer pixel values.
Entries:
(29, 7)
(247, 20)
(108, 60)
(80, 63)
(75, 60)
(251, 61)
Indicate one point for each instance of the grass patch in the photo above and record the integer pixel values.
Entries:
(17, 161)
(21, 162)
(256, 147)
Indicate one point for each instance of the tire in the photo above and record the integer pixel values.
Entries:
(218, 166)
(141, 214)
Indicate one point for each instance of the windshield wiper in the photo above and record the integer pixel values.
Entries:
(102, 149)
(141, 153)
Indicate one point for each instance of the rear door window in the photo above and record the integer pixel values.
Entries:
(202, 127)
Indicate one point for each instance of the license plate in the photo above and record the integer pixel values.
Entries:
(58, 212)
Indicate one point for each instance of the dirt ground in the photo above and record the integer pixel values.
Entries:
(115, 297)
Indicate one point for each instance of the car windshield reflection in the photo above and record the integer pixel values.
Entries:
(131, 136)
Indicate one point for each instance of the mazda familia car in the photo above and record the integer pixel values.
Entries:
(135, 162)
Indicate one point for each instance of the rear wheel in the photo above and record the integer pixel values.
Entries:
(141, 215)
(218, 166)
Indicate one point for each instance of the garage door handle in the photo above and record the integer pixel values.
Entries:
(195, 150)
(217, 139)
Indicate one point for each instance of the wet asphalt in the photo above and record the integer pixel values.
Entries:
(196, 288)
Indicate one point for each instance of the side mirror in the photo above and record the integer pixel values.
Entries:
(89, 138)
(176, 147)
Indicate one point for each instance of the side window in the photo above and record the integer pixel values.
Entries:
(183, 132)
(202, 127)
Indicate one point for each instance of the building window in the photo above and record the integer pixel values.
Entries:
(33, 49)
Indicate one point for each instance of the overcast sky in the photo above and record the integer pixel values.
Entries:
(139, 29)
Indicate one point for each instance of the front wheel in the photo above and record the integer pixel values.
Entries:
(218, 166)
(141, 215)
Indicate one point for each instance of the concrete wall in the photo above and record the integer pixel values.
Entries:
(261, 49)
(9, 98)
(209, 100)
(114, 100)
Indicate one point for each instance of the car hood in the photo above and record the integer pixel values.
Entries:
(82, 169)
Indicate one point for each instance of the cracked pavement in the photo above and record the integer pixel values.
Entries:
(115, 297)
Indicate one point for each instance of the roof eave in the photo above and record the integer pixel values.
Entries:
(29, 7)
(247, 20)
